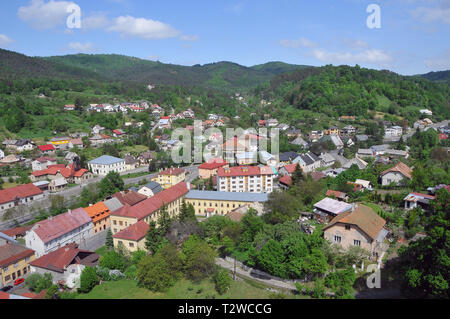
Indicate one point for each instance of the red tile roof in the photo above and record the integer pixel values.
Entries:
(336, 194)
(286, 180)
(442, 137)
(4, 295)
(129, 198)
(317, 175)
(76, 141)
(66, 172)
(13, 232)
(59, 259)
(11, 253)
(21, 191)
(213, 165)
(290, 168)
(152, 204)
(48, 147)
(172, 171)
(424, 195)
(45, 159)
(134, 232)
(57, 226)
(242, 171)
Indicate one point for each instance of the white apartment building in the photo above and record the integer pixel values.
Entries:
(106, 164)
(251, 179)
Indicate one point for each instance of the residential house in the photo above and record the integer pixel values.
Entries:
(268, 159)
(129, 197)
(251, 179)
(131, 162)
(16, 232)
(46, 149)
(78, 142)
(65, 264)
(365, 152)
(380, 149)
(309, 162)
(294, 133)
(283, 127)
(210, 203)
(146, 157)
(113, 204)
(360, 226)
(106, 164)
(327, 160)
(348, 130)
(247, 158)
(22, 145)
(300, 142)
(362, 137)
(70, 157)
(14, 196)
(165, 122)
(328, 208)
(366, 185)
(340, 196)
(60, 142)
(272, 123)
(398, 175)
(99, 213)
(14, 263)
(287, 157)
(414, 200)
(208, 169)
(394, 131)
(118, 133)
(150, 189)
(426, 112)
(2, 154)
(170, 177)
(69, 107)
(355, 161)
(333, 138)
(71, 173)
(97, 129)
(42, 163)
(396, 153)
(285, 182)
(333, 130)
(55, 232)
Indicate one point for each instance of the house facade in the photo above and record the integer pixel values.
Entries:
(250, 179)
(106, 164)
(399, 175)
(18, 195)
(170, 177)
(14, 262)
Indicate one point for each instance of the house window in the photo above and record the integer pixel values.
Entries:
(131, 244)
(347, 227)
(357, 242)
(7, 278)
(337, 239)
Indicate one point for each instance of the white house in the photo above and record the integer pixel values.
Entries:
(18, 195)
(150, 189)
(55, 232)
(397, 174)
(309, 162)
(2, 154)
(105, 164)
(97, 129)
(42, 163)
(394, 131)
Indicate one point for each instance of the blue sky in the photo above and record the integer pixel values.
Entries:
(413, 37)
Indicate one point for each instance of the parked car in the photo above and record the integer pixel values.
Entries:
(6, 288)
(18, 281)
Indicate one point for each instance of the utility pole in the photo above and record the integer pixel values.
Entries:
(234, 275)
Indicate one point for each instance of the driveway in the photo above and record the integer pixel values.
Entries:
(95, 242)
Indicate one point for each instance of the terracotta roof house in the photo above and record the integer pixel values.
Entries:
(170, 177)
(413, 200)
(361, 226)
(54, 232)
(341, 196)
(397, 174)
(22, 194)
(16, 232)
(285, 181)
(99, 214)
(78, 142)
(132, 237)
(208, 169)
(65, 264)
(59, 171)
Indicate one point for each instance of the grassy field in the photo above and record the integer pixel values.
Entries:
(135, 149)
(183, 289)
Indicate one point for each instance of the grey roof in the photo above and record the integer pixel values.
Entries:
(227, 196)
(308, 158)
(381, 235)
(41, 183)
(327, 157)
(106, 160)
(154, 186)
(7, 238)
(299, 141)
(362, 137)
(333, 206)
(288, 156)
(357, 161)
(113, 204)
(380, 148)
(365, 151)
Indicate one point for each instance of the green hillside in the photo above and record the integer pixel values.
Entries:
(440, 76)
(277, 67)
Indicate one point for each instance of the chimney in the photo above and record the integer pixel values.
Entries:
(70, 212)
(188, 185)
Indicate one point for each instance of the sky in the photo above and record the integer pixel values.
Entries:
(405, 36)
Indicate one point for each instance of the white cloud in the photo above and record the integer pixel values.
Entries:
(4, 40)
(78, 47)
(356, 44)
(44, 15)
(189, 38)
(436, 14)
(143, 28)
(370, 56)
(440, 62)
(95, 21)
(302, 42)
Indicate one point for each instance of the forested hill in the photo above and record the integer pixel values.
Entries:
(440, 76)
(220, 75)
(18, 66)
(346, 90)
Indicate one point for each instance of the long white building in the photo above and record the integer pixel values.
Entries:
(106, 164)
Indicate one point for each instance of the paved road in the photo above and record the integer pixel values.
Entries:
(95, 242)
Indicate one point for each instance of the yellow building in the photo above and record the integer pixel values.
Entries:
(14, 263)
(132, 237)
(170, 177)
(58, 141)
(209, 203)
(332, 131)
(124, 219)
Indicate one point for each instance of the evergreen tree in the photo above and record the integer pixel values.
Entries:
(297, 176)
(109, 239)
(153, 238)
(187, 212)
(164, 220)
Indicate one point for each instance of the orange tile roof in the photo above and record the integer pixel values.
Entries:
(362, 216)
(286, 180)
(400, 167)
(97, 212)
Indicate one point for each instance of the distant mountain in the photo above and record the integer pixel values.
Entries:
(440, 76)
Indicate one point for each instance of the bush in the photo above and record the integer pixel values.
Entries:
(88, 279)
(223, 281)
(113, 260)
(131, 272)
(319, 290)
(52, 292)
(137, 256)
(103, 273)
(37, 282)
(153, 273)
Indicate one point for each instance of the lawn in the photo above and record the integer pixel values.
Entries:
(183, 289)
(135, 149)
